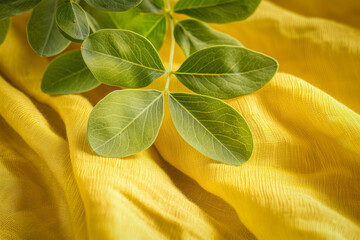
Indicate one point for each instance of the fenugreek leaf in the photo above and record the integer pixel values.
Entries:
(9, 8)
(217, 11)
(43, 33)
(122, 58)
(68, 74)
(125, 122)
(212, 127)
(114, 5)
(4, 28)
(193, 35)
(73, 22)
(226, 71)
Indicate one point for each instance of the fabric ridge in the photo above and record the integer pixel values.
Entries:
(301, 182)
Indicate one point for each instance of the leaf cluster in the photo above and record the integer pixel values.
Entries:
(120, 40)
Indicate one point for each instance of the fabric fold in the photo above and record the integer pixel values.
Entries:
(300, 183)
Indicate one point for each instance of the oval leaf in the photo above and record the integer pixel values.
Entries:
(68, 74)
(212, 127)
(226, 72)
(113, 20)
(9, 8)
(72, 20)
(217, 11)
(43, 34)
(4, 28)
(192, 35)
(114, 5)
(125, 122)
(122, 58)
(152, 26)
(93, 24)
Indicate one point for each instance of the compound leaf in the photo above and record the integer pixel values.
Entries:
(43, 33)
(122, 58)
(125, 122)
(217, 11)
(68, 74)
(212, 127)
(226, 71)
(72, 20)
(193, 35)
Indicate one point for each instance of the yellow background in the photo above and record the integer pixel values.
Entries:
(302, 181)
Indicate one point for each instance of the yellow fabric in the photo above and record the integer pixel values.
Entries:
(302, 181)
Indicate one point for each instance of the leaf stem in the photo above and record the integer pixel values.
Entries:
(172, 49)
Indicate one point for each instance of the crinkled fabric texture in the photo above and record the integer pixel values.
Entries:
(302, 181)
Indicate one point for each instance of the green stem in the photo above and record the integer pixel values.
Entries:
(172, 48)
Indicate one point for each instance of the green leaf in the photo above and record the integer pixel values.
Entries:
(114, 5)
(125, 122)
(148, 6)
(43, 33)
(93, 24)
(118, 20)
(72, 20)
(109, 19)
(68, 74)
(4, 28)
(159, 3)
(193, 35)
(9, 8)
(217, 11)
(152, 26)
(122, 58)
(226, 71)
(212, 127)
